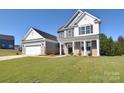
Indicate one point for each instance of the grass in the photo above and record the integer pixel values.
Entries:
(5, 52)
(65, 70)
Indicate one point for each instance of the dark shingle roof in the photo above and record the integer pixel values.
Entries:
(46, 35)
(6, 37)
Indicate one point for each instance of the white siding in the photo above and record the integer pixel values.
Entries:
(76, 31)
(34, 43)
(33, 35)
(87, 20)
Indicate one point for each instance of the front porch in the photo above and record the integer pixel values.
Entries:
(82, 48)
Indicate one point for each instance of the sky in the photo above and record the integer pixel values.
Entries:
(17, 22)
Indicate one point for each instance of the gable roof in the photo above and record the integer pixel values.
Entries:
(6, 37)
(78, 19)
(45, 35)
(73, 17)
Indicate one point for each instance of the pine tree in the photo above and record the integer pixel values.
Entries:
(103, 41)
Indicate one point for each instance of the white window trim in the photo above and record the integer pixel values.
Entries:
(60, 35)
(85, 30)
(72, 33)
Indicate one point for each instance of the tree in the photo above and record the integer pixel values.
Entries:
(121, 42)
(118, 49)
(109, 47)
(103, 42)
(120, 39)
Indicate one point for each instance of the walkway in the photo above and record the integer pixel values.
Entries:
(11, 57)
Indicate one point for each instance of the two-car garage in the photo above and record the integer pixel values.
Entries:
(33, 50)
(37, 42)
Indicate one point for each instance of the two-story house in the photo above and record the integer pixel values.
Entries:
(80, 35)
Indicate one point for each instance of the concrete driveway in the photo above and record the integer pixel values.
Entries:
(11, 57)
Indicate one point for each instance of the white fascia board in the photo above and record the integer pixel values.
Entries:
(27, 33)
(86, 13)
(68, 28)
(73, 17)
(92, 16)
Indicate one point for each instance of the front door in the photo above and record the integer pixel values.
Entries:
(69, 48)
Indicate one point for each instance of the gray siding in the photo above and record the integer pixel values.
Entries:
(80, 38)
(51, 48)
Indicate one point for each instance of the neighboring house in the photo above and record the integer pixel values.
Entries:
(80, 35)
(6, 42)
(37, 42)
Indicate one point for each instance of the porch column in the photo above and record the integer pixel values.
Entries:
(98, 47)
(73, 47)
(80, 46)
(65, 49)
(85, 48)
(80, 49)
(60, 48)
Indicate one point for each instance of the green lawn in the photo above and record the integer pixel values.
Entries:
(65, 69)
(4, 52)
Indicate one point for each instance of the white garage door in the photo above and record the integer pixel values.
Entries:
(33, 50)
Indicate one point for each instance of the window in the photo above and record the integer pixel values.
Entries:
(69, 33)
(61, 34)
(94, 44)
(81, 30)
(10, 46)
(86, 30)
(88, 46)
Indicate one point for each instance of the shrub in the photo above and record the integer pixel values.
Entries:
(17, 53)
(109, 47)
